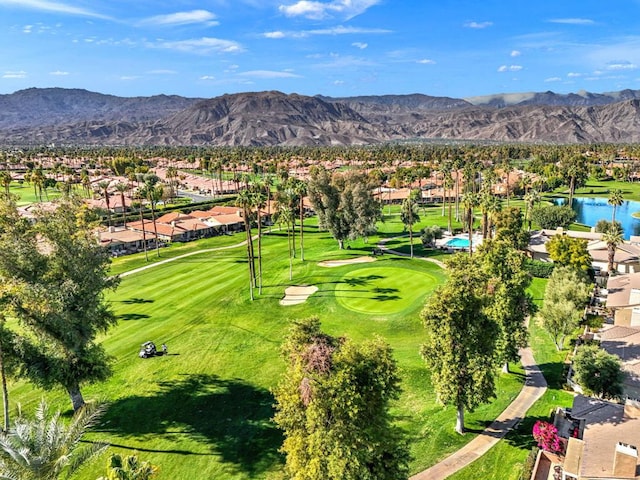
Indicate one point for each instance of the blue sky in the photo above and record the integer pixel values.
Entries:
(205, 48)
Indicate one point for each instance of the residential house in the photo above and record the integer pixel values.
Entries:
(602, 439)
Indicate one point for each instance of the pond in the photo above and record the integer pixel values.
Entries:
(590, 210)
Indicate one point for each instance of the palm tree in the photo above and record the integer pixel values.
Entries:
(531, 198)
(122, 188)
(286, 216)
(46, 448)
(153, 193)
(409, 216)
(172, 175)
(244, 200)
(615, 200)
(470, 201)
(129, 468)
(103, 187)
(612, 237)
(300, 189)
(258, 202)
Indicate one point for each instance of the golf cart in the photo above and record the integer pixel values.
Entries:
(147, 349)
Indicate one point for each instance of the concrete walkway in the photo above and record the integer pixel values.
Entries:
(383, 241)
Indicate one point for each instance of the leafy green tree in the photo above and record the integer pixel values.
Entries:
(604, 225)
(45, 448)
(575, 170)
(509, 227)
(5, 180)
(129, 468)
(569, 251)
(58, 296)
(333, 407)
(565, 296)
(598, 372)
(409, 215)
(550, 217)
(461, 338)
(509, 304)
(615, 200)
(430, 234)
(344, 203)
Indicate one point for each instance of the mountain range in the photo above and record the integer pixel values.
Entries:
(44, 116)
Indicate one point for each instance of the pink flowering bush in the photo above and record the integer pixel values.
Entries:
(546, 434)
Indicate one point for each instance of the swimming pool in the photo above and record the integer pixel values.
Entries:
(458, 242)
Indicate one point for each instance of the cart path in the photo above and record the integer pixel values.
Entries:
(184, 255)
(382, 246)
(534, 387)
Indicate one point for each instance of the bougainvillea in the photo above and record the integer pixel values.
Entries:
(546, 434)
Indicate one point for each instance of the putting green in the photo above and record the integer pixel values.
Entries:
(383, 290)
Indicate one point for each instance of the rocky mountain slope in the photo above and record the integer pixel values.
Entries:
(80, 117)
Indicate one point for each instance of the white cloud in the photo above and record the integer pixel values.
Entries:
(314, 10)
(573, 74)
(162, 72)
(338, 30)
(478, 25)
(515, 53)
(59, 73)
(621, 66)
(207, 77)
(338, 82)
(202, 45)
(510, 68)
(572, 21)
(129, 77)
(553, 79)
(276, 34)
(360, 45)
(426, 61)
(27, 29)
(341, 30)
(346, 62)
(182, 18)
(48, 6)
(268, 74)
(19, 74)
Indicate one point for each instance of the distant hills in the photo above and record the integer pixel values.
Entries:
(78, 117)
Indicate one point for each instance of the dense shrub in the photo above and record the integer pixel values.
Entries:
(539, 269)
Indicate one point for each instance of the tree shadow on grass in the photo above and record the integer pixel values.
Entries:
(232, 416)
(133, 316)
(132, 301)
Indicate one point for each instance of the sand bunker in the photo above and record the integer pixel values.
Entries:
(348, 261)
(297, 294)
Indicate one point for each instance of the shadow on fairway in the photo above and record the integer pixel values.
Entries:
(233, 417)
(132, 301)
(133, 316)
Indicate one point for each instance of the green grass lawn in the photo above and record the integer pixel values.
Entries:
(27, 195)
(204, 410)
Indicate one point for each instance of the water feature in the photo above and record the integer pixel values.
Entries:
(590, 210)
(458, 242)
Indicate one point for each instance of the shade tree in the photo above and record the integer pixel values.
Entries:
(461, 338)
(333, 404)
(566, 294)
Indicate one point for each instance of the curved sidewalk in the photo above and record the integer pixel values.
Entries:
(534, 387)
